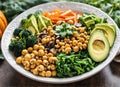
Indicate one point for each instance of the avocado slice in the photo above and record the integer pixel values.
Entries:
(47, 21)
(89, 22)
(31, 28)
(41, 22)
(108, 31)
(33, 22)
(105, 24)
(98, 46)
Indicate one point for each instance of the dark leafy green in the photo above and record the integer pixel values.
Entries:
(73, 64)
(1, 55)
(12, 8)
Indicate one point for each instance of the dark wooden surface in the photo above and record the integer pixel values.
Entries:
(108, 77)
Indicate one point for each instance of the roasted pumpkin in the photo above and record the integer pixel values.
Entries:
(3, 23)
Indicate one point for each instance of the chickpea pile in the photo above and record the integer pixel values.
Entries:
(50, 35)
(77, 42)
(37, 60)
(40, 61)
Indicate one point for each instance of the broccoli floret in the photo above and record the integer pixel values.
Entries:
(11, 46)
(25, 23)
(17, 47)
(31, 40)
(17, 31)
(25, 33)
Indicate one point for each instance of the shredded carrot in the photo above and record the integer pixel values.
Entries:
(58, 15)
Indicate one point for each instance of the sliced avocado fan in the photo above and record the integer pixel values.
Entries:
(98, 46)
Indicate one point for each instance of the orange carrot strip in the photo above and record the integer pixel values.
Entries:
(65, 13)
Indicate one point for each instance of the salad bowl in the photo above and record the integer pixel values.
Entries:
(78, 7)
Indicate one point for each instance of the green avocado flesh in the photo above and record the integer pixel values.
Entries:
(98, 46)
(109, 31)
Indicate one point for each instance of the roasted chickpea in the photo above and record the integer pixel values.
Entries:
(38, 62)
(82, 29)
(32, 55)
(27, 57)
(68, 50)
(43, 73)
(75, 34)
(76, 49)
(40, 68)
(30, 49)
(45, 63)
(26, 64)
(53, 73)
(81, 40)
(32, 61)
(57, 46)
(70, 22)
(26, 68)
(24, 52)
(57, 41)
(62, 43)
(35, 47)
(73, 38)
(74, 42)
(41, 53)
(81, 35)
(19, 60)
(86, 42)
(52, 67)
(48, 74)
(67, 45)
(44, 58)
(48, 67)
(51, 32)
(79, 44)
(87, 37)
(35, 52)
(23, 60)
(35, 71)
(84, 46)
(41, 47)
(52, 59)
(44, 41)
(32, 66)
(50, 55)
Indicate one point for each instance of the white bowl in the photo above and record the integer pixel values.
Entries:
(80, 7)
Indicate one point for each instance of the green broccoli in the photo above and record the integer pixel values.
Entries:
(16, 47)
(31, 40)
(25, 23)
(11, 46)
(17, 31)
(25, 33)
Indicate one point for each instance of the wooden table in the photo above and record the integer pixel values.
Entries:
(108, 77)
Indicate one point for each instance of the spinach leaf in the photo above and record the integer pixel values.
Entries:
(73, 64)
